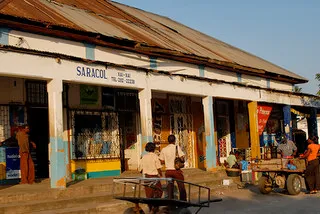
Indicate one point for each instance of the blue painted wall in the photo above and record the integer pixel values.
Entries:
(287, 121)
(57, 162)
(201, 70)
(153, 62)
(90, 51)
(239, 76)
(211, 157)
(4, 36)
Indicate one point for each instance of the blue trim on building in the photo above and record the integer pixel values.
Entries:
(211, 157)
(90, 51)
(287, 121)
(153, 62)
(102, 174)
(312, 123)
(233, 140)
(4, 36)
(201, 70)
(57, 162)
(268, 83)
(239, 76)
(65, 143)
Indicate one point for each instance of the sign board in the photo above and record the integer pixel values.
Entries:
(12, 163)
(263, 116)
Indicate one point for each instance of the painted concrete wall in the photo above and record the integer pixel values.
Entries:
(47, 68)
(45, 43)
(252, 80)
(175, 67)
(11, 90)
(280, 85)
(220, 75)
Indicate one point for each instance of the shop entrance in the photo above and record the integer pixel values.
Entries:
(39, 133)
(223, 129)
(128, 138)
(37, 117)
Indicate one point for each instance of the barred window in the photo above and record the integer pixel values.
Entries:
(37, 93)
(95, 135)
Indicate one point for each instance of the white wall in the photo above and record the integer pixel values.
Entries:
(280, 85)
(45, 43)
(227, 76)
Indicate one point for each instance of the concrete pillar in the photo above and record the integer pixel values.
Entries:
(145, 117)
(287, 121)
(57, 150)
(254, 133)
(312, 123)
(211, 155)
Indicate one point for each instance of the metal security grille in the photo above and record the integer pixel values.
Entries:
(37, 93)
(181, 124)
(4, 123)
(95, 134)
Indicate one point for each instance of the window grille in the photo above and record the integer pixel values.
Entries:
(95, 135)
(4, 123)
(37, 93)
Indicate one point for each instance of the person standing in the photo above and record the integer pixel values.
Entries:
(312, 171)
(26, 162)
(150, 166)
(167, 156)
(287, 148)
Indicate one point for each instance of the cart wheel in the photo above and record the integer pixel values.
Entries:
(132, 210)
(294, 184)
(264, 185)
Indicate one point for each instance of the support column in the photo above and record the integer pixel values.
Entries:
(254, 133)
(145, 117)
(211, 154)
(57, 151)
(312, 123)
(287, 121)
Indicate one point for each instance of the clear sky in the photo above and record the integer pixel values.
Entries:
(285, 32)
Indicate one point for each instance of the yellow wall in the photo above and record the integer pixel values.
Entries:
(96, 165)
(2, 171)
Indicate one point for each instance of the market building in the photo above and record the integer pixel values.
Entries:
(97, 80)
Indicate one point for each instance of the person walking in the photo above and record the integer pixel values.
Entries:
(150, 166)
(312, 171)
(26, 162)
(168, 156)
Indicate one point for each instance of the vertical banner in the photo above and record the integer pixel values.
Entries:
(89, 95)
(263, 116)
(12, 163)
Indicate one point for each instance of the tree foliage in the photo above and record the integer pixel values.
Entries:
(297, 89)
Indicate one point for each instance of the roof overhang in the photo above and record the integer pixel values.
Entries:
(48, 29)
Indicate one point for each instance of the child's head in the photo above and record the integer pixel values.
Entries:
(150, 147)
(290, 162)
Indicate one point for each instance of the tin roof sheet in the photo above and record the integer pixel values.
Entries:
(121, 21)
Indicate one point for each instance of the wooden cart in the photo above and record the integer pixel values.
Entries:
(275, 174)
(133, 191)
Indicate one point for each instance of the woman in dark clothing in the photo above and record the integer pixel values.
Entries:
(312, 171)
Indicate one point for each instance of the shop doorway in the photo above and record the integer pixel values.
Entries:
(181, 125)
(223, 129)
(39, 133)
(128, 138)
(37, 117)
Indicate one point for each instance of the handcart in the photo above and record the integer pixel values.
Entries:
(275, 174)
(132, 190)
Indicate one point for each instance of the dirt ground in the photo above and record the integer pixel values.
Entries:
(249, 200)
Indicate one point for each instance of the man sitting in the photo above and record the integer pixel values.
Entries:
(231, 161)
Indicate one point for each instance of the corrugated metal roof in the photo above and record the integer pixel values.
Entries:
(120, 21)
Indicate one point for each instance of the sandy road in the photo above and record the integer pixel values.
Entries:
(249, 201)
